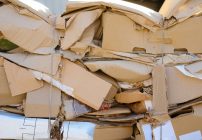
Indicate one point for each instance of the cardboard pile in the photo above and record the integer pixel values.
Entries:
(111, 69)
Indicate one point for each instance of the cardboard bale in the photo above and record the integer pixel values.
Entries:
(43, 102)
(132, 96)
(27, 32)
(121, 70)
(5, 94)
(20, 79)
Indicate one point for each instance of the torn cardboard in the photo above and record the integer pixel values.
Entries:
(38, 102)
(28, 33)
(121, 70)
(20, 79)
(76, 29)
(73, 108)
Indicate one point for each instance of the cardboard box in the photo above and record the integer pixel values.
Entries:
(5, 94)
(43, 102)
(182, 35)
(20, 80)
(120, 33)
(88, 88)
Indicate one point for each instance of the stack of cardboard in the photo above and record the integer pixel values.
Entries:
(112, 69)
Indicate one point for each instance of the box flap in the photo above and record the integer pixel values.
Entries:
(20, 79)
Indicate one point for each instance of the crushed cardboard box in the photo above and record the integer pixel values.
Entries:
(111, 69)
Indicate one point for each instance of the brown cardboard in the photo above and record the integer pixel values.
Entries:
(135, 37)
(112, 111)
(181, 87)
(121, 70)
(141, 107)
(160, 101)
(132, 96)
(38, 102)
(5, 94)
(113, 132)
(182, 34)
(187, 124)
(43, 63)
(26, 32)
(76, 29)
(114, 88)
(88, 88)
(20, 79)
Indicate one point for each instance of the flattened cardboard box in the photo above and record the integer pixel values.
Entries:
(20, 80)
(5, 94)
(88, 88)
(181, 87)
(135, 37)
(38, 102)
